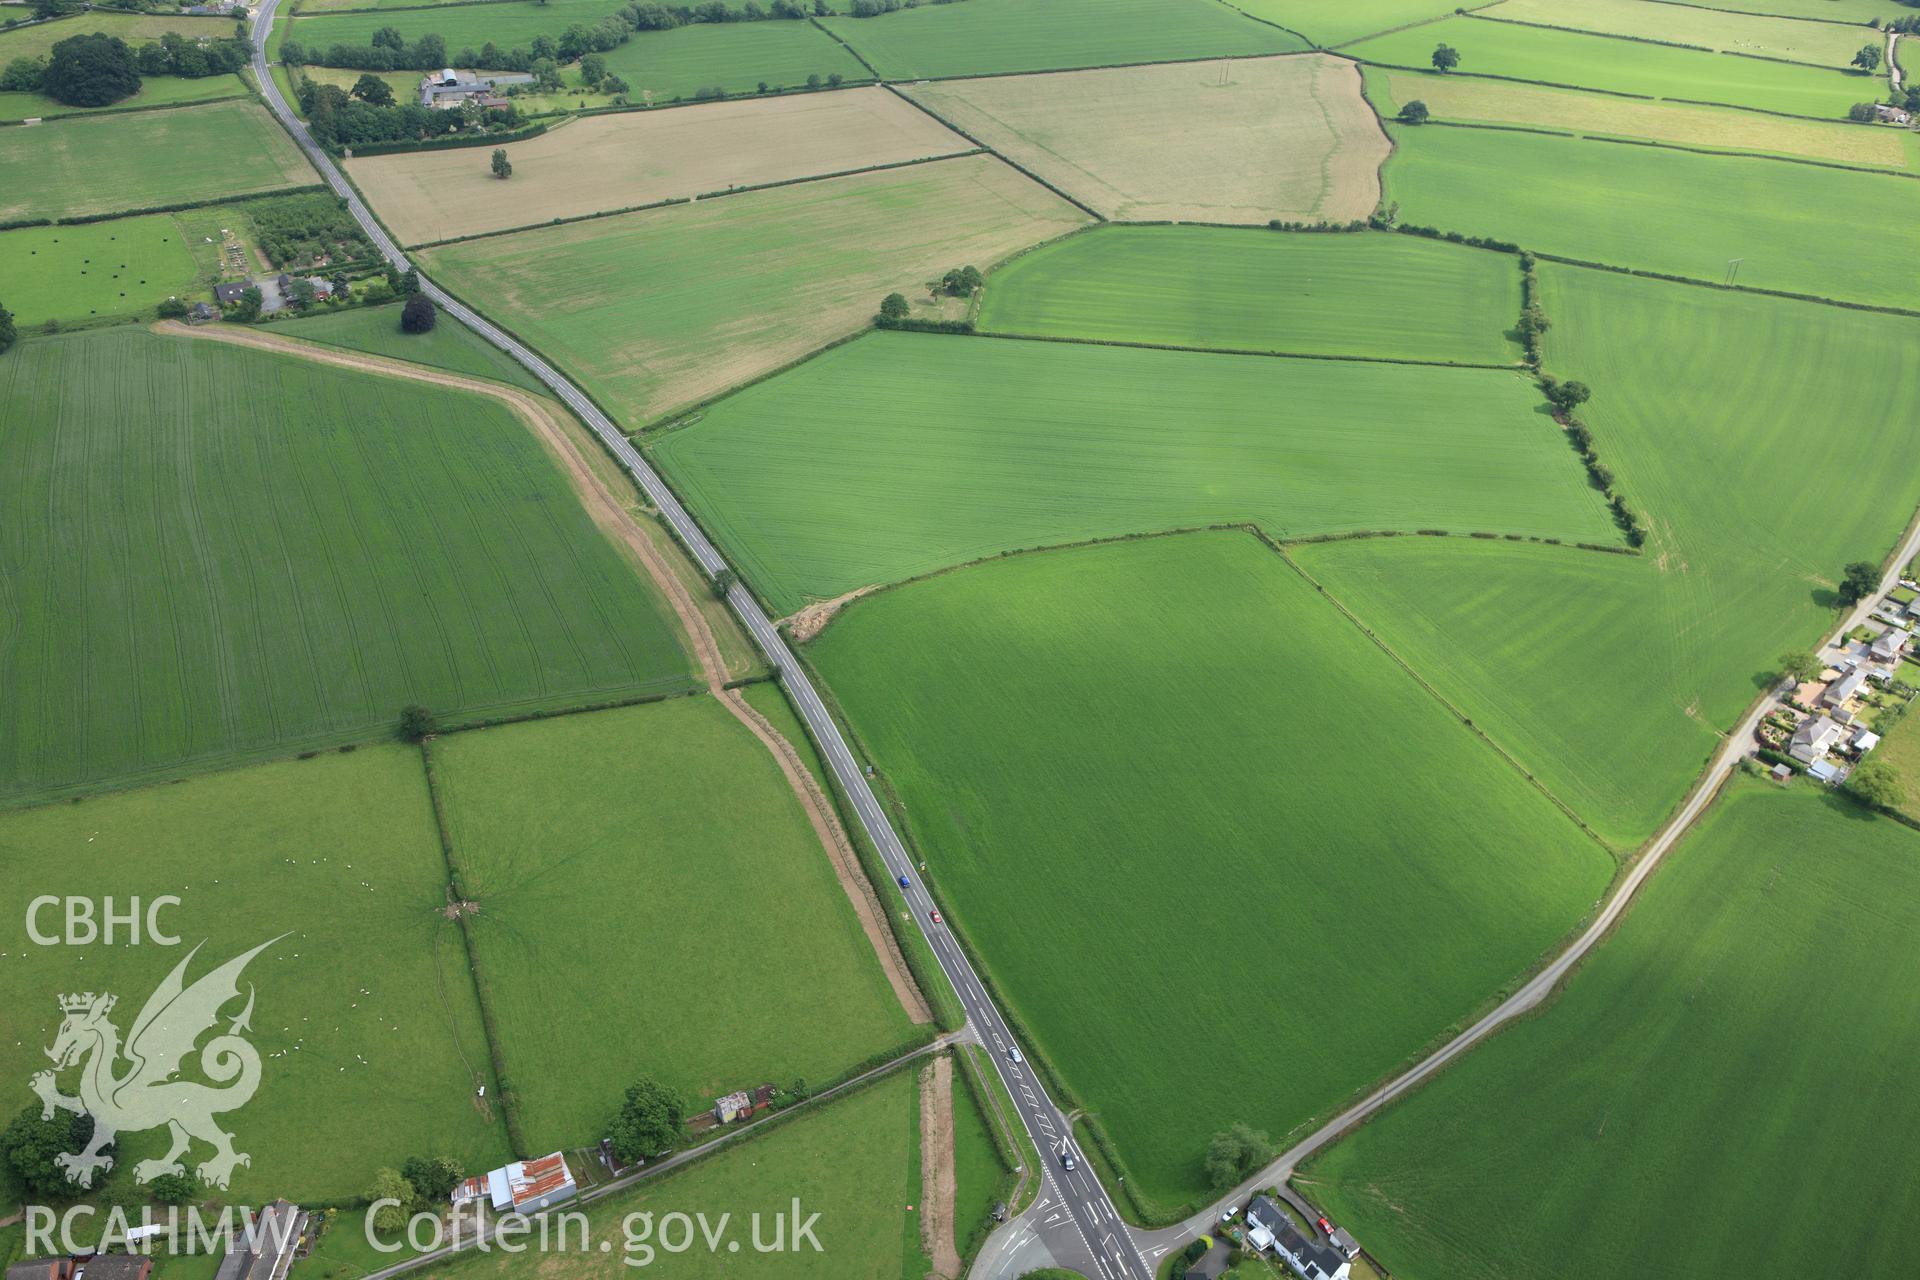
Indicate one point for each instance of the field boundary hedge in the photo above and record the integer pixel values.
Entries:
(840, 40)
(1876, 307)
(842, 173)
(922, 107)
(245, 92)
(1004, 336)
(447, 142)
(1112, 66)
(1671, 44)
(568, 220)
(1749, 13)
(1629, 141)
(1301, 36)
(307, 189)
(1610, 93)
(1409, 26)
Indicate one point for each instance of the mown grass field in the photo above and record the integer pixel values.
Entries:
(1097, 749)
(854, 1161)
(1830, 44)
(652, 901)
(993, 37)
(1626, 66)
(1387, 296)
(120, 267)
(37, 39)
(1332, 22)
(365, 1019)
(1607, 676)
(1734, 1048)
(155, 91)
(97, 164)
(1691, 213)
(217, 554)
(734, 56)
(653, 311)
(904, 453)
(1855, 11)
(1288, 138)
(508, 25)
(634, 158)
(1465, 98)
(449, 345)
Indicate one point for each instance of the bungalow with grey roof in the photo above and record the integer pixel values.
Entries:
(1815, 736)
(1843, 688)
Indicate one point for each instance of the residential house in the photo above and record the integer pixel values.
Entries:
(1345, 1243)
(735, 1106)
(1212, 1264)
(229, 293)
(1864, 740)
(1843, 688)
(200, 313)
(42, 1269)
(447, 89)
(263, 1250)
(1888, 114)
(529, 1186)
(1269, 1227)
(1815, 736)
(1890, 645)
(1826, 771)
(112, 1266)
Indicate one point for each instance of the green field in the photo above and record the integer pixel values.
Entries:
(1626, 66)
(508, 25)
(1193, 821)
(733, 56)
(656, 310)
(980, 1175)
(1730, 1053)
(854, 1161)
(648, 883)
(1665, 210)
(1853, 11)
(97, 164)
(1332, 22)
(899, 454)
(36, 40)
(1388, 296)
(1828, 43)
(155, 91)
(1608, 676)
(365, 1020)
(994, 37)
(449, 345)
(120, 267)
(217, 553)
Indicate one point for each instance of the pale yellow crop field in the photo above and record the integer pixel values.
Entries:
(1240, 140)
(642, 157)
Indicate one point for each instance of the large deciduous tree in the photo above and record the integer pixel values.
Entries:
(90, 71)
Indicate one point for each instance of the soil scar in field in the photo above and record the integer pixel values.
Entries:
(813, 619)
(938, 1182)
(614, 520)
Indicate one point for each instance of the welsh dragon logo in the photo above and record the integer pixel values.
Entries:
(143, 1094)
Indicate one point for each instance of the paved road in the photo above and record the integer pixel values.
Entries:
(1739, 744)
(1089, 1235)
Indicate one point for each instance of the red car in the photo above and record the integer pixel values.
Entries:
(935, 917)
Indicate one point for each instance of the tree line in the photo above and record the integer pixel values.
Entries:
(338, 119)
(97, 69)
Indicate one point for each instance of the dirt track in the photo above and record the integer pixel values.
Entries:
(614, 520)
(938, 1181)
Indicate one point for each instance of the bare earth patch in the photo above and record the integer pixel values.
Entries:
(1238, 140)
(810, 621)
(938, 1180)
(642, 157)
(619, 524)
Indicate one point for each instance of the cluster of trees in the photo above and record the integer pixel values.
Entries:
(419, 315)
(94, 70)
(1857, 582)
(874, 8)
(8, 334)
(651, 1120)
(29, 1146)
(1235, 1154)
(306, 227)
(424, 1183)
(339, 119)
(1565, 397)
(961, 282)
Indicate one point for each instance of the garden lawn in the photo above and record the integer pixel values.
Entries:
(1460, 99)
(1664, 210)
(1092, 746)
(1663, 1087)
(1607, 676)
(155, 91)
(1385, 296)
(98, 164)
(217, 553)
(656, 310)
(364, 1014)
(449, 345)
(1827, 43)
(735, 56)
(1626, 66)
(992, 37)
(653, 902)
(1333, 22)
(120, 267)
(854, 1161)
(36, 40)
(900, 454)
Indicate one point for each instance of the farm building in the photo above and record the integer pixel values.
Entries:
(529, 1186)
(1815, 736)
(1269, 1228)
(735, 1106)
(264, 1250)
(448, 88)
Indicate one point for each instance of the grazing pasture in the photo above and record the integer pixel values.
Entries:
(1691, 213)
(653, 311)
(1245, 141)
(1625, 66)
(219, 554)
(734, 56)
(1607, 676)
(900, 454)
(1329, 23)
(1830, 44)
(855, 1162)
(155, 91)
(995, 37)
(646, 875)
(508, 24)
(1119, 729)
(97, 164)
(369, 1053)
(1729, 1050)
(36, 40)
(115, 268)
(1384, 296)
(635, 158)
(1852, 11)
(376, 330)
(1465, 98)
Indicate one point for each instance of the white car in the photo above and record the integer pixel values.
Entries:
(1013, 1053)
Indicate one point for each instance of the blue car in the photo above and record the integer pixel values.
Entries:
(903, 882)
